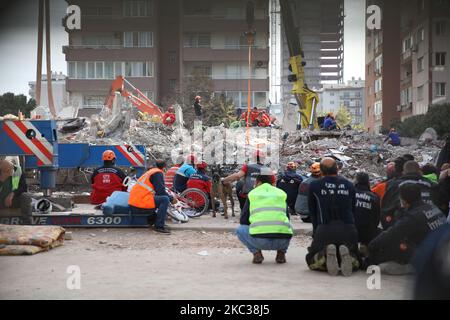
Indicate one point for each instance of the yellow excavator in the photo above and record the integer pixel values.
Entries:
(307, 99)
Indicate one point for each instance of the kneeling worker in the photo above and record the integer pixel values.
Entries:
(265, 219)
(13, 190)
(149, 193)
(107, 179)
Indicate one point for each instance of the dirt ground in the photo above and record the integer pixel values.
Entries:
(142, 264)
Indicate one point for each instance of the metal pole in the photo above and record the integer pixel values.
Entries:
(51, 104)
(39, 51)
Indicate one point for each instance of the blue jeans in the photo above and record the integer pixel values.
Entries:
(161, 203)
(255, 244)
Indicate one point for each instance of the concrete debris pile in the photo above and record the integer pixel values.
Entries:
(356, 151)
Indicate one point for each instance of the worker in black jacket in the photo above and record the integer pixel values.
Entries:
(390, 208)
(331, 202)
(367, 210)
(399, 242)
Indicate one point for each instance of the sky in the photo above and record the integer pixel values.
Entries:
(18, 42)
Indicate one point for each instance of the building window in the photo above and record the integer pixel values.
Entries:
(332, 102)
(198, 7)
(172, 84)
(138, 69)
(72, 70)
(440, 59)
(93, 101)
(140, 39)
(148, 94)
(96, 11)
(239, 98)
(137, 8)
(91, 70)
(378, 64)
(378, 108)
(197, 40)
(441, 27)
(81, 70)
(109, 70)
(420, 93)
(332, 94)
(440, 89)
(118, 69)
(420, 64)
(172, 57)
(99, 70)
(421, 35)
(407, 44)
(378, 85)
(406, 96)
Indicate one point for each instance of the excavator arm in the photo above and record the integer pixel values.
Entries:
(138, 99)
(306, 98)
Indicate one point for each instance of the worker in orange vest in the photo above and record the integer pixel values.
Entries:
(169, 116)
(149, 193)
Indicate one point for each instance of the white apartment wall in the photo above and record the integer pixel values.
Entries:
(441, 74)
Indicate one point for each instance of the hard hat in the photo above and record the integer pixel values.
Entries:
(191, 159)
(171, 108)
(315, 168)
(197, 97)
(292, 165)
(203, 165)
(108, 155)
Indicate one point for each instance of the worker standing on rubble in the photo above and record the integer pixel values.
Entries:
(264, 223)
(249, 172)
(397, 245)
(106, 179)
(367, 210)
(183, 174)
(393, 138)
(289, 182)
(169, 116)
(198, 108)
(149, 193)
(331, 204)
(391, 208)
(13, 190)
(301, 203)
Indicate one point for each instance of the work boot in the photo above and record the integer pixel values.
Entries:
(346, 261)
(258, 257)
(162, 230)
(332, 263)
(281, 257)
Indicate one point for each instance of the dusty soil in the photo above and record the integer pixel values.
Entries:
(141, 264)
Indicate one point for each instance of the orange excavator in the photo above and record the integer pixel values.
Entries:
(137, 98)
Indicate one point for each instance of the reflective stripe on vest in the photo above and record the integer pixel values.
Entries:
(16, 177)
(268, 211)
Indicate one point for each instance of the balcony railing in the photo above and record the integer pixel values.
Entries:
(226, 47)
(101, 46)
(230, 77)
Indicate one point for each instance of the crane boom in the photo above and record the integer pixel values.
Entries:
(306, 98)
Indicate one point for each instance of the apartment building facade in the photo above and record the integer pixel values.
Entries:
(407, 66)
(60, 97)
(350, 96)
(157, 45)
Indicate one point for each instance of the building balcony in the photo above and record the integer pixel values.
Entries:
(114, 23)
(211, 24)
(96, 85)
(239, 53)
(108, 53)
(223, 83)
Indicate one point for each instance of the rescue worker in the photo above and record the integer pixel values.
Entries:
(149, 193)
(13, 190)
(263, 120)
(397, 245)
(106, 179)
(254, 114)
(330, 123)
(380, 188)
(367, 210)
(249, 172)
(183, 174)
(200, 180)
(264, 222)
(444, 155)
(169, 116)
(393, 138)
(289, 182)
(331, 204)
(430, 172)
(301, 203)
(198, 108)
(170, 174)
(390, 207)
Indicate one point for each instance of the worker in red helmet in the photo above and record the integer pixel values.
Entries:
(200, 180)
(248, 173)
(169, 117)
(198, 108)
(254, 114)
(106, 179)
(263, 120)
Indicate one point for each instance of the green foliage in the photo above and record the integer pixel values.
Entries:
(437, 118)
(343, 117)
(12, 104)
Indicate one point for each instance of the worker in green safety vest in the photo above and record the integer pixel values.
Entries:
(264, 223)
(13, 190)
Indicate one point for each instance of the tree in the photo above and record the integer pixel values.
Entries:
(12, 104)
(343, 117)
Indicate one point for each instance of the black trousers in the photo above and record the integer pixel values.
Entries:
(239, 186)
(390, 253)
(22, 202)
(367, 234)
(337, 233)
